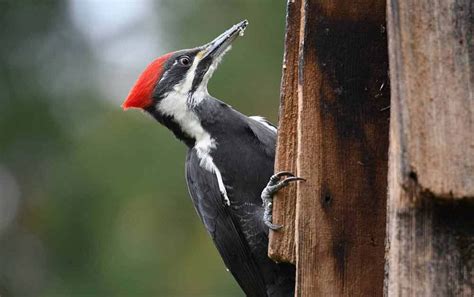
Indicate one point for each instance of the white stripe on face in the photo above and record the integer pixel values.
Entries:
(184, 87)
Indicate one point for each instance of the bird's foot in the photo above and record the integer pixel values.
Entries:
(274, 185)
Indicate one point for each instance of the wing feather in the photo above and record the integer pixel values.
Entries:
(223, 227)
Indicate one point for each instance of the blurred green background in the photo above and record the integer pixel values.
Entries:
(93, 200)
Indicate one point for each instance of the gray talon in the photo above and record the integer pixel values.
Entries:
(272, 226)
(286, 181)
(273, 186)
(283, 173)
(276, 177)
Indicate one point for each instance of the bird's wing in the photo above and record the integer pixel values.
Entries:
(265, 132)
(223, 228)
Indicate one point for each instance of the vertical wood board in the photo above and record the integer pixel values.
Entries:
(342, 149)
(282, 242)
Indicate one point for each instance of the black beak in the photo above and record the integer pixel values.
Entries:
(223, 41)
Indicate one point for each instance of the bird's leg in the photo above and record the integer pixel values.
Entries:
(274, 185)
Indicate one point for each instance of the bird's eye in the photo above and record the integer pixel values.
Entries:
(184, 60)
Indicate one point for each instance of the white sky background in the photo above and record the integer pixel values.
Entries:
(125, 37)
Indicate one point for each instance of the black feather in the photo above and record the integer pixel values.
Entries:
(244, 155)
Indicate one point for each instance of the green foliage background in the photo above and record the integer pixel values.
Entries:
(93, 199)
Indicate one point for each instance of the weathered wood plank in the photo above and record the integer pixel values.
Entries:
(431, 247)
(342, 149)
(282, 242)
(432, 63)
(430, 225)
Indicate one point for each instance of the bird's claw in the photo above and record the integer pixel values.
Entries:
(274, 227)
(277, 176)
(274, 185)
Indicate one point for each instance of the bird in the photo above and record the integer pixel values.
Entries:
(229, 164)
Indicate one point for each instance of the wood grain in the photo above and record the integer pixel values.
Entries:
(282, 242)
(432, 58)
(342, 149)
(430, 225)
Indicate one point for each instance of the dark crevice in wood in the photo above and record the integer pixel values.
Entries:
(417, 194)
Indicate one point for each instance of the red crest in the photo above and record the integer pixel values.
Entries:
(140, 94)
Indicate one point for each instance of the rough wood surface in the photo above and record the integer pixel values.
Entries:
(430, 225)
(431, 247)
(282, 242)
(342, 148)
(432, 63)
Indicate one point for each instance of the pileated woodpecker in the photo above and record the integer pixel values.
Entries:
(229, 164)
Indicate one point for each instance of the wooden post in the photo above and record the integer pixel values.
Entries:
(282, 243)
(431, 179)
(342, 101)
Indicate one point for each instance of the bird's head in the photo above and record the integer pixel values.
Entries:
(182, 75)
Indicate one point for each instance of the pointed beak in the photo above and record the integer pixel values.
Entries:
(219, 45)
